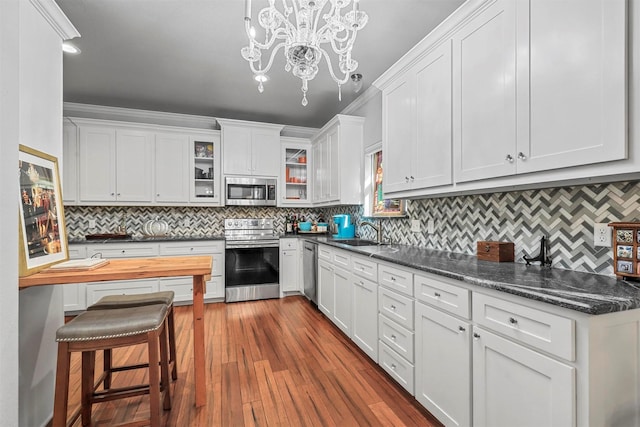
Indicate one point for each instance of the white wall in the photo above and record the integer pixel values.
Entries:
(8, 212)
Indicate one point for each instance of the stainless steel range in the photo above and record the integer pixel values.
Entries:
(251, 259)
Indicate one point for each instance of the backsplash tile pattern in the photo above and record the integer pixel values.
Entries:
(565, 215)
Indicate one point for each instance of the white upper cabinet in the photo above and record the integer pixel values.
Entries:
(417, 125)
(338, 161)
(115, 165)
(528, 86)
(172, 168)
(484, 93)
(69, 162)
(295, 172)
(572, 95)
(250, 148)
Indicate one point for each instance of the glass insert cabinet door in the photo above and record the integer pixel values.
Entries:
(206, 170)
(382, 207)
(295, 188)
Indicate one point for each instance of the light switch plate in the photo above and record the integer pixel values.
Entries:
(92, 223)
(431, 227)
(415, 225)
(602, 234)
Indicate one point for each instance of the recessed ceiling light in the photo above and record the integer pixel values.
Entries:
(70, 48)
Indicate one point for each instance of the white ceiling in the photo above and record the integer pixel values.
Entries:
(183, 56)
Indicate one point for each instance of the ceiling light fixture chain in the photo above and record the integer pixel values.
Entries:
(302, 29)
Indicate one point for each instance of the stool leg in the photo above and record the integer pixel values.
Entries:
(107, 369)
(154, 378)
(62, 386)
(172, 344)
(88, 372)
(164, 370)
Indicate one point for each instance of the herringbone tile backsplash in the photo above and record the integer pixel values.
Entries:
(565, 215)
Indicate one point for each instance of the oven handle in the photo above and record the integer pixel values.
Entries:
(252, 245)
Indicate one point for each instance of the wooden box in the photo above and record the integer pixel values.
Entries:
(496, 251)
(626, 249)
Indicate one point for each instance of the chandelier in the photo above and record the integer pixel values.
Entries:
(305, 29)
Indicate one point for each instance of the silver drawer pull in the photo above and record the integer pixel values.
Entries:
(123, 251)
(513, 320)
(521, 156)
(393, 366)
(393, 307)
(476, 335)
(393, 337)
(393, 279)
(437, 294)
(461, 328)
(509, 158)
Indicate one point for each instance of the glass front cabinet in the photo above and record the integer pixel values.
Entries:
(295, 175)
(206, 187)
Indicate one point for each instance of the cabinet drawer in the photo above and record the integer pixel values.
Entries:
(77, 252)
(325, 252)
(190, 248)
(126, 250)
(396, 279)
(365, 268)
(126, 287)
(342, 259)
(396, 366)
(181, 286)
(289, 244)
(396, 307)
(548, 332)
(398, 338)
(446, 297)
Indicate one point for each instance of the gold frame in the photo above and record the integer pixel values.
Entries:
(41, 227)
(376, 176)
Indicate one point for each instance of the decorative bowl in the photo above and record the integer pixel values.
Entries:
(304, 226)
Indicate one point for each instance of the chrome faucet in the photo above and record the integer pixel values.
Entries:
(378, 229)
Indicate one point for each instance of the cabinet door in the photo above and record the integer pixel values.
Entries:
(172, 168)
(289, 270)
(326, 291)
(134, 160)
(69, 162)
(265, 152)
(443, 365)
(399, 133)
(365, 316)
(333, 168)
(74, 295)
(572, 94)
(343, 300)
(516, 386)
(97, 147)
(431, 158)
(237, 150)
(484, 95)
(317, 173)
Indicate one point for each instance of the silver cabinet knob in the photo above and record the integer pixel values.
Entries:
(393, 337)
(393, 279)
(393, 307)
(509, 158)
(406, 179)
(113, 194)
(412, 178)
(521, 156)
(393, 366)
(476, 335)
(437, 294)
(461, 328)
(158, 195)
(513, 320)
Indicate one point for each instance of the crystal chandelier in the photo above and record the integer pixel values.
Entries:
(305, 29)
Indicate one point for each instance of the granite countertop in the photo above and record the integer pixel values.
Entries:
(583, 292)
(140, 238)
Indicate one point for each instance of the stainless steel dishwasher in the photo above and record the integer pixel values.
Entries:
(310, 264)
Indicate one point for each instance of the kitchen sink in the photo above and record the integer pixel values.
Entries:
(358, 242)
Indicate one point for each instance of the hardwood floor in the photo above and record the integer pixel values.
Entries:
(270, 363)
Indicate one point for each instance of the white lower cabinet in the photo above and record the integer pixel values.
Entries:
(326, 291)
(443, 365)
(74, 295)
(516, 386)
(365, 315)
(396, 366)
(289, 266)
(343, 300)
(95, 291)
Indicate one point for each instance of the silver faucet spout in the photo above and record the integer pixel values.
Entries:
(378, 229)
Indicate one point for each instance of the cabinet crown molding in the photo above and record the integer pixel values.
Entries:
(52, 13)
(244, 123)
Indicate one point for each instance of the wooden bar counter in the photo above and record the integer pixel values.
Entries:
(146, 268)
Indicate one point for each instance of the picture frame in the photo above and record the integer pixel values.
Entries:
(381, 207)
(42, 231)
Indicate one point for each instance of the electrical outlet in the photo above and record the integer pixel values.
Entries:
(431, 226)
(186, 222)
(92, 223)
(602, 234)
(415, 225)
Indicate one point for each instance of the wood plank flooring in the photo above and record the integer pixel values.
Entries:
(269, 363)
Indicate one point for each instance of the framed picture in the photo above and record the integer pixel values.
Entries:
(383, 207)
(43, 238)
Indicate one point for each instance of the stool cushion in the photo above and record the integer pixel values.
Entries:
(135, 300)
(119, 322)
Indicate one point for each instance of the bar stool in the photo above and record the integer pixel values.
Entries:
(97, 330)
(139, 300)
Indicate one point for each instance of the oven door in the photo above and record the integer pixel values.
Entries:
(251, 272)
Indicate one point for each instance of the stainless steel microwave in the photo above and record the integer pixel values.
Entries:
(241, 191)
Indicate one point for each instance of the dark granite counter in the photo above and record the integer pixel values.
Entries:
(584, 292)
(138, 239)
